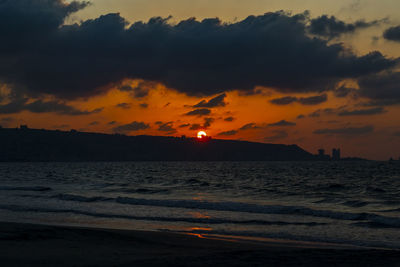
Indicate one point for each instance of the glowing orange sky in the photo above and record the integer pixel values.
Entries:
(167, 106)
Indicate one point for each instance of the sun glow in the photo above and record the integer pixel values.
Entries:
(201, 134)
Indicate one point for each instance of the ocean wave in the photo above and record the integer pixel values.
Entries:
(25, 188)
(265, 209)
(377, 224)
(243, 207)
(291, 237)
(373, 189)
(391, 210)
(78, 198)
(335, 187)
(196, 182)
(356, 203)
(209, 221)
(136, 191)
(17, 208)
(328, 200)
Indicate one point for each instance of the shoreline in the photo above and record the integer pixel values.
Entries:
(46, 245)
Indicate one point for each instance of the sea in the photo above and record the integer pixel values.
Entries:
(345, 203)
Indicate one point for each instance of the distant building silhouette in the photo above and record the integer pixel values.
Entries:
(336, 154)
(322, 156)
(23, 127)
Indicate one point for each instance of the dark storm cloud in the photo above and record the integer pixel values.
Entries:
(167, 127)
(131, 127)
(112, 123)
(218, 101)
(124, 105)
(35, 18)
(383, 87)
(362, 112)
(332, 27)
(392, 34)
(195, 57)
(199, 112)
(229, 119)
(144, 105)
(40, 106)
(228, 133)
(278, 135)
(94, 123)
(282, 123)
(301, 116)
(346, 131)
(312, 100)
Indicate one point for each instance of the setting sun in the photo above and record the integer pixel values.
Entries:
(201, 134)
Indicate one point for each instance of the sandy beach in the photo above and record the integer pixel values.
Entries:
(42, 245)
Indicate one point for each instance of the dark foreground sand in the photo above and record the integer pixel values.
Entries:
(38, 245)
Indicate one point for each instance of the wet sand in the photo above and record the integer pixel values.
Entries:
(42, 245)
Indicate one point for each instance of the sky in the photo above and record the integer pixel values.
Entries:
(320, 74)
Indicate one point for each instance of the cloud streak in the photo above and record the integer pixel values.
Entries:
(282, 123)
(131, 127)
(307, 101)
(362, 112)
(346, 131)
(332, 27)
(217, 101)
(199, 112)
(392, 34)
(228, 133)
(40, 106)
(167, 127)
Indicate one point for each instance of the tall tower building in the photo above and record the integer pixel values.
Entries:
(336, 154)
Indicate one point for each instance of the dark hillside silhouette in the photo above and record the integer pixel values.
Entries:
(45, 145)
